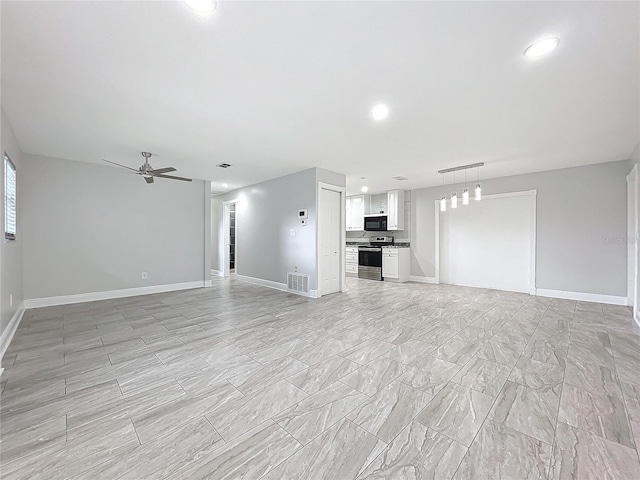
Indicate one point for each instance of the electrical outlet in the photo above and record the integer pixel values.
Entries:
(144, 275)
(11, 299)
(292, 232)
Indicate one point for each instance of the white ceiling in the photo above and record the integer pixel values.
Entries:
(276, 87)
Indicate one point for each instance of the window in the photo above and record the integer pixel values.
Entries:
(9, 199)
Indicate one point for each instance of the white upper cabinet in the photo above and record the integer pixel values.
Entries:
(395, 205)
(357, 208)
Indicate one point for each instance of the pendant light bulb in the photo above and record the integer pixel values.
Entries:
(443, 203)
(478, 192)
(465, 196)
(454, 200)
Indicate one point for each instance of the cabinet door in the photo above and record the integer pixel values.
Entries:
(392, 209)
(389, 265)
(357, 213)
(349, 225)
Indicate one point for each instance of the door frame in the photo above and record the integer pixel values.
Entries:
(534, 228)
(632, 238)
(343, 235)
(226, 237)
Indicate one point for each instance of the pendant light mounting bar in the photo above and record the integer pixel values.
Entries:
(461, 167)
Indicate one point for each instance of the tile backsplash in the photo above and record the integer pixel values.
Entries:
(378, 203)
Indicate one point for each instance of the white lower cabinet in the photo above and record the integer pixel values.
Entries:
(351, 261)
(395, 264)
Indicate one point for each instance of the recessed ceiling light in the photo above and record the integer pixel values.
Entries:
(380, 112)
(541, 47)
(224, 185)
(364, 189)
(202, 7)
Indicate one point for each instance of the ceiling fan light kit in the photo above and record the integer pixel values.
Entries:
(148, 172)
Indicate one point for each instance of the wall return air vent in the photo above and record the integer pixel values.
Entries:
(297, 283)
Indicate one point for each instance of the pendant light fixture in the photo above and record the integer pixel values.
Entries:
(478, 188)
(454, 194)
(443, 199)
(465, 191)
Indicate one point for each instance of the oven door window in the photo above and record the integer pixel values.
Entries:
(370, 259)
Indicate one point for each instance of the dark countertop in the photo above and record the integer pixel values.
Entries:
(396, 245)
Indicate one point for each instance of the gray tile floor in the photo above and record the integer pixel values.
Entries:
(384, 382)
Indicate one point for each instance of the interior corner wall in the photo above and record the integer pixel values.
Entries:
(216, 233)
(581, 226)
(266, 213)
(331, 178)
(91, 228)
(11, 251)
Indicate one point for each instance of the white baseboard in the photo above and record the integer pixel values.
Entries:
(421, 279)
(275, 285)
(582, 297)
(262, 282)
(216, 273)
(9, 332)
(636, 316)
(94, 296)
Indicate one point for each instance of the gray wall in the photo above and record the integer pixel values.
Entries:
(332, 178)
(265, 214)
(11, 251)
(635, 155)
(581, 212)
(92, 228)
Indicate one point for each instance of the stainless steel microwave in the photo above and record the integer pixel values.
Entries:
(375, 223)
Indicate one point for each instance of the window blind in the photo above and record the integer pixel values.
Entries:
(10, 198)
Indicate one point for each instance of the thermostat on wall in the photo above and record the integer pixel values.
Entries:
(302, 213)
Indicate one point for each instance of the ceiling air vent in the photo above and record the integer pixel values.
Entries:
(401, 178)
(297, 283)
(223, 165)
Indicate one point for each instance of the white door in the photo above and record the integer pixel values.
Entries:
(329, 220)
(488, 244)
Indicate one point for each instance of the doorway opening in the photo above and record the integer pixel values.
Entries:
(230, 243)
(232, 238)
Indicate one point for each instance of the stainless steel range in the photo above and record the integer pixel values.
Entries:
(370, 258)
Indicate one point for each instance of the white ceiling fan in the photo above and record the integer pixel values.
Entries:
(148, 172)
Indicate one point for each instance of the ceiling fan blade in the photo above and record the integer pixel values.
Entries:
(123, 166)
(148, 179)
(160, 171)
(171, 177)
